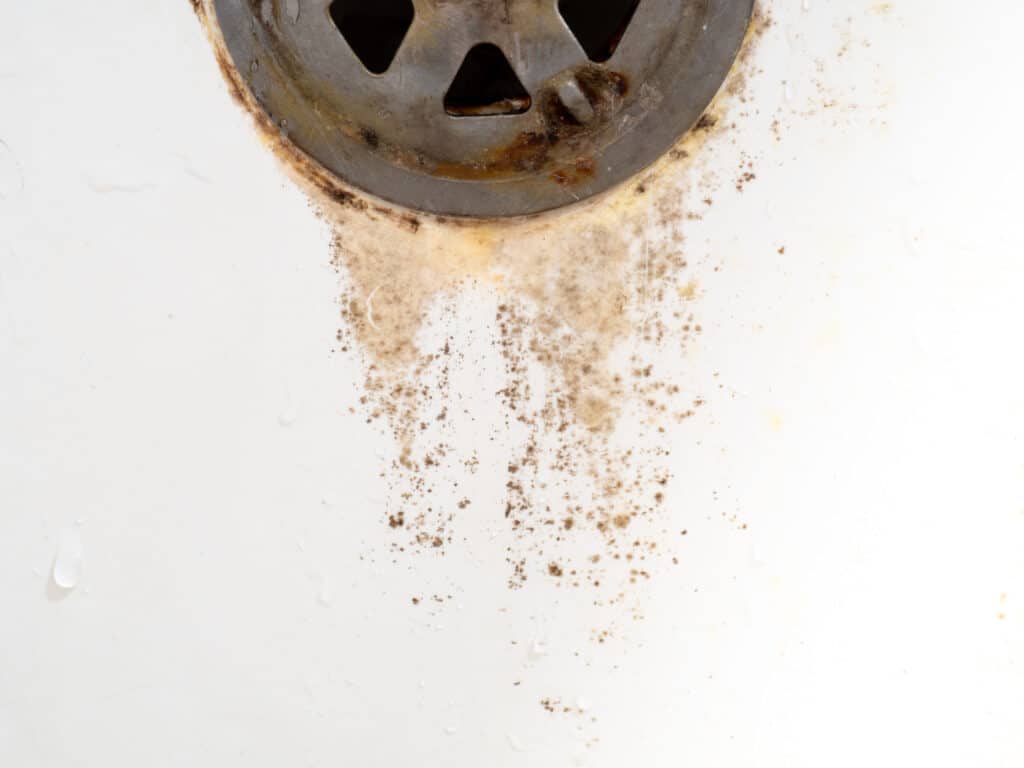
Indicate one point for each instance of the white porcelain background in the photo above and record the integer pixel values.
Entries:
(165, 303)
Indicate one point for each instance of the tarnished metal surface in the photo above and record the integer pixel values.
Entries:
(588, 126)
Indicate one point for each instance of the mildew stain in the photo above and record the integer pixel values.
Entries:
(591, 307)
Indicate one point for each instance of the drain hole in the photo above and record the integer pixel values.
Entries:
(373, 29)
(598, 24)
(486, 84)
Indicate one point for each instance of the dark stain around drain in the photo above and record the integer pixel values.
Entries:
(557, 150)
(331, 187)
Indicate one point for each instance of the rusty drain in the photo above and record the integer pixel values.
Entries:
(483, 107)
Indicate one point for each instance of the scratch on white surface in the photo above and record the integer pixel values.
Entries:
(104, 188)
(369, 308)
(191, 171)
(198, 176)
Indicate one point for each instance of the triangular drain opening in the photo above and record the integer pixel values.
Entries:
(373, 29)
(486, 84)
(598, 24)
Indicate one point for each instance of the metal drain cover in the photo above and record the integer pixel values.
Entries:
(483, 107)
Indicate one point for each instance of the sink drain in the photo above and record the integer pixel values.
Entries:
(483, 107)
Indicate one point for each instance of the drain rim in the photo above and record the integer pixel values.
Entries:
(647, 123)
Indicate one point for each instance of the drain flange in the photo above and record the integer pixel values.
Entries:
(483, 107)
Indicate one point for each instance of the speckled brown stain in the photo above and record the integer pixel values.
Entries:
(566, 281)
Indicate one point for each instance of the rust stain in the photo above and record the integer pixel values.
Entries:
(532, 151)
(571, 175)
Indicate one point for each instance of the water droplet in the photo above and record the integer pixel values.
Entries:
(451, 730)
(67, 566)
(293, 10)
(538, 649)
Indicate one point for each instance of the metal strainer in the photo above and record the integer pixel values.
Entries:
(483, 107)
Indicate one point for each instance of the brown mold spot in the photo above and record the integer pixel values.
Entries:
(706, 123)
(369, 137)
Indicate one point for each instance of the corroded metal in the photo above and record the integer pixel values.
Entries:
(589, 126)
